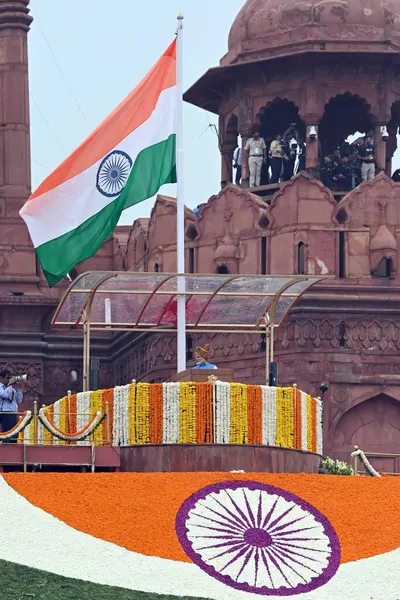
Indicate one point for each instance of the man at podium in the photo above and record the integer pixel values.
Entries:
(201, 358)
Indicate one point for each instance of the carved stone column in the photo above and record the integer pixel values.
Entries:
(380, 146)
(246, 121)
(18, 264)
(227, 151)
(245, 134)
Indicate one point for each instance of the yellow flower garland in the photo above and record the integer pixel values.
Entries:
(47, 436)
(142, 413)
(239, 426)
(285, 425)
(132, 414)
(97, 407)
(309, 422)
(187, 413)
(63, 421)
(280, 441)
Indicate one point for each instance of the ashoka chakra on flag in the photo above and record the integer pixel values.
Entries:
(113, 173)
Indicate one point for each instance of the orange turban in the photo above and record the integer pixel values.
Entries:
(202, 351)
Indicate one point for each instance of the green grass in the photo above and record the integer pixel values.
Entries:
(23, 583)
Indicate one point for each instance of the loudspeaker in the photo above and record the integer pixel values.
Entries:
(273, 374)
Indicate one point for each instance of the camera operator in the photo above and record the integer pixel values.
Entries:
(11, 395)
(289, 157)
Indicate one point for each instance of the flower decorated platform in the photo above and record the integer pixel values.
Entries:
(188, 426)
(215, 536)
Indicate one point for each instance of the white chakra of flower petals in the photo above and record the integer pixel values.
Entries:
(257, 540)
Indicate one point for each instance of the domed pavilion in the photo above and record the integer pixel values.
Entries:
(329, 65)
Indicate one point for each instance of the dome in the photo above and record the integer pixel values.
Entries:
(270, 28)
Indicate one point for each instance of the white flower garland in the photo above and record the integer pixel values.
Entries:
(304, 445)
(56, 419)
(116, 435)
(40, 432)
(91, 426)
(221, 398)
(268, 395)
(22, 423)
(171, 398)
(27, 432)
(123, 414)
(83, 410)
(319, 426)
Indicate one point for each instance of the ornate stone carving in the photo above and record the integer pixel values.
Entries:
(58, 378)
(341, 396)
(354, 335)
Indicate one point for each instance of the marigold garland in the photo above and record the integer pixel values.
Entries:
(172, 413)
(309, 423)
(204, 413)
(187, 414)
(142, 413)
(238, 433)
(254, 411)
(132, 414)
(156, 413)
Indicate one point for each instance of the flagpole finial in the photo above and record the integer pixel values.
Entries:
(180, 17)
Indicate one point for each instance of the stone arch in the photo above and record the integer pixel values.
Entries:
(228, 146)
(372, 423)
(277, 115)
(231, 130)
(222, 269)
(393, 393)
(344, 114)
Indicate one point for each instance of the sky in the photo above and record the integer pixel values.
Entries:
(85, 56)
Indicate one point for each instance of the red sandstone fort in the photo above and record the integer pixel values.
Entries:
(329, 65)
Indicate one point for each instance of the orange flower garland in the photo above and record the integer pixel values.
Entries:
(204, 414)
(254, 411)
(156, 413)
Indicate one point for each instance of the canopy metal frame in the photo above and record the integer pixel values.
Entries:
(259, 304)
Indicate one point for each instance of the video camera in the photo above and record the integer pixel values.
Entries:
(19, 378)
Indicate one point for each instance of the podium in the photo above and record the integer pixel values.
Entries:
(198, 375)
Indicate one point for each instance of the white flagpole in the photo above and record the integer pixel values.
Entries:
(180, 206)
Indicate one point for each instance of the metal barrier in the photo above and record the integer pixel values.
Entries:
(375, 455)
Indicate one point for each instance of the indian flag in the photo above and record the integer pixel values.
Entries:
(123, 162)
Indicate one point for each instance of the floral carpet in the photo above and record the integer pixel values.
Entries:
(217, 536)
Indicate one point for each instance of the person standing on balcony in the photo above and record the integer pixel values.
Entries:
(276, 152)
(366, 153)
(257, 152)
(11, 396)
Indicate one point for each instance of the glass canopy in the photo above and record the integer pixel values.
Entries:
(123, 301)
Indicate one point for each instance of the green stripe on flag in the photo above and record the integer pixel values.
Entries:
(153, 167)
(18, 581)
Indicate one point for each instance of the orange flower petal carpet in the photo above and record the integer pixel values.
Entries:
(209, 535)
